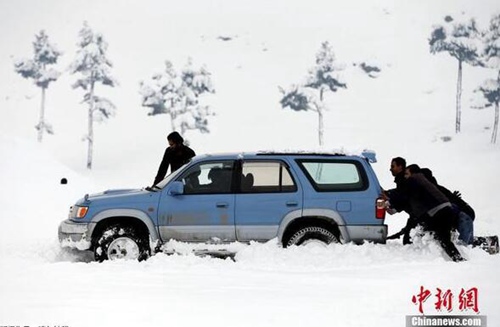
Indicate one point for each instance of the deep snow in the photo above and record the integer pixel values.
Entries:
(404, 112)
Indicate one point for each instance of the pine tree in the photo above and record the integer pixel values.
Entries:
(490, 88)
(179, 97)
(459, 40)
(310, 96)
(45, 54)
(94, 68)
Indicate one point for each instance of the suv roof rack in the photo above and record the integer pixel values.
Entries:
(295, 153)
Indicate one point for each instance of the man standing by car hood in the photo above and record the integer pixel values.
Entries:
(176, 155)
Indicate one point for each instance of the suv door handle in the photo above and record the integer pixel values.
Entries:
(292, 203)
(222, 204)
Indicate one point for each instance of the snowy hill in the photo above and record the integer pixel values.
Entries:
(252, 48)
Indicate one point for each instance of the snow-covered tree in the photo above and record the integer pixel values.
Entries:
(178, 95)
(310, 96)
(460, 41)
(490, 88)
(491, 92)
(370, 68)
(37, 69)
(93, 68)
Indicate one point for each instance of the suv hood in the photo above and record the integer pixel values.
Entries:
(132, 195)
(113, 192)
(121, 191)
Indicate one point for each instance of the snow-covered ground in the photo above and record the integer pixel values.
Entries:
(406, 111)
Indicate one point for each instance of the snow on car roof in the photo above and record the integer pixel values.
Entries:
(370, 155)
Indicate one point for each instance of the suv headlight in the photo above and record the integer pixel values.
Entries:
(78, 212)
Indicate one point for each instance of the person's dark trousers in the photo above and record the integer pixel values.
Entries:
(465, 228)
(410, 224)
(441, 224)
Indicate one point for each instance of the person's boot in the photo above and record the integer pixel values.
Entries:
(494, 248)
(452, 251)
(487, 243)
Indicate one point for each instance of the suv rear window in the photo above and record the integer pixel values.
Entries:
(335, 176)
(266, 177)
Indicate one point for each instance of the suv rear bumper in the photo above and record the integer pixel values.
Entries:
(373, 233)
(74, 235)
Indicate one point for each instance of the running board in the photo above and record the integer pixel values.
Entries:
(219, 254)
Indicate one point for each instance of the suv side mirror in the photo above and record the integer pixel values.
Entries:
(176, 188)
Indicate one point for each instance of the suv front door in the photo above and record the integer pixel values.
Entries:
(205, 212)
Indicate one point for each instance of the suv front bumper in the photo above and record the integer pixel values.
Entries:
(75, 235)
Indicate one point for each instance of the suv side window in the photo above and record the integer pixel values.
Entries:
(208, 178)
(266, 177)
(331, 175)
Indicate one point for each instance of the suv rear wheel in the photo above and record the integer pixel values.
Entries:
(312, 234)
(121, 243)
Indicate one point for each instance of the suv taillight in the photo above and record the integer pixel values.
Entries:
(380, 208)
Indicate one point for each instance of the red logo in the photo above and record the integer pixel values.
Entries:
(468, 300)
(445, 300)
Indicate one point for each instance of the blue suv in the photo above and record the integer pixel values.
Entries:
(297, 198)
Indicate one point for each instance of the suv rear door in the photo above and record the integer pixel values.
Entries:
(267, 193)
(341, 185)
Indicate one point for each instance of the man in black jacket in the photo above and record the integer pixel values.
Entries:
(398, 166)
(431, 208)
(466, 215)
(176, 155)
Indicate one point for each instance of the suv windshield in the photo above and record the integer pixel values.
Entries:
(171, 176)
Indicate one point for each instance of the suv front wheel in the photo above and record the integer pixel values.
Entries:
(312, 234)
(121, 243)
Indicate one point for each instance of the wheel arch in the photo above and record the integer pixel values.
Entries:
(129, 217)
(321, 217)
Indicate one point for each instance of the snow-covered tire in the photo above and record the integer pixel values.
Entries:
(121, 243)
(312, 234)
